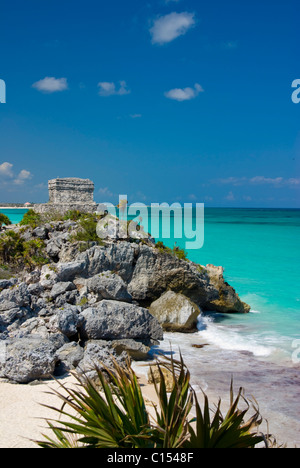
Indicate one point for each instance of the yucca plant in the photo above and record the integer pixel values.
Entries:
(231, 431)
(115, 417)
(115, 414)
(173, 409)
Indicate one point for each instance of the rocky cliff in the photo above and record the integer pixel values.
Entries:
(90, 302)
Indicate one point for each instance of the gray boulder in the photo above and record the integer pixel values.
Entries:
(118, 257)
(108, 285)
(156, 272)
(112, 320)
(65, 320)
(28, 359)
(61, 288)
(69, 357)
(6, 283)
(136, 350)
(175, 312)
(41, 232)
(98, 355)
(17, 295)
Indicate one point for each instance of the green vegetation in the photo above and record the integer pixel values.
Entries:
(74, 215)
(17, 252)
(4, 220)
(32, 219)
(88, 230)
(175, 252)
(117, 416)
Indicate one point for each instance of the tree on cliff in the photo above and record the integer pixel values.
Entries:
(4, 220)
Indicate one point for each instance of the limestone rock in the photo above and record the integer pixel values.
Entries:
(66, 321)
(228, 301)
(97, 355)
(112, 320)
(119, 257)
(28, 359)
(135, 349)
(108, 285)
(61, 288)
(69, 357)
(156, 273)
(175, 312)
(17, 295)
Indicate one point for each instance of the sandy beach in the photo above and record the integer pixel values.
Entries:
(22, 417)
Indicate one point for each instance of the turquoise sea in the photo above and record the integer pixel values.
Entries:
(260, 252)
(15, 215)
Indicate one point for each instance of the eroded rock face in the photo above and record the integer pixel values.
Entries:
(175, 312)
(114, 320)
(28, 359)
(108, 285)
(155, 273)
(227, 301)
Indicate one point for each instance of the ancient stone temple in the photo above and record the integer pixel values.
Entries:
(69, 194)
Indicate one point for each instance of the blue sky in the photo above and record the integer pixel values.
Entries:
(166, 101)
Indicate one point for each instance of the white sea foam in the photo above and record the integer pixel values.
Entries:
(230, 339)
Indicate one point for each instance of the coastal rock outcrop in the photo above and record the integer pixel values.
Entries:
(28, 359)
(92, 301)
(114, 320)
(175, 312)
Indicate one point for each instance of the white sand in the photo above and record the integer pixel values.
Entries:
(21, 412)
(22, 418)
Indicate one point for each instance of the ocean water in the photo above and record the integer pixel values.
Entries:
(15, 215)
(260, 252)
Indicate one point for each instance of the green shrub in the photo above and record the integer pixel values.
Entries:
(4, 220)
(175, 252)
(88, 230)
(73, 215)
(117, 416)
(32, 219)
(15, 251)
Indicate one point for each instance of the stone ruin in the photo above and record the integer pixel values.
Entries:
(69, 194)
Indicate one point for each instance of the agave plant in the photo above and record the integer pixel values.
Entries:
(231, 431)
(115, 415)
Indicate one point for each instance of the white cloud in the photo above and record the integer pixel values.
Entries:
(105, 192)
(135, 116)
(110, 89)
(51, 85)
(259, 180)
(8, 177)
(230, 197)
(6, 170)
(167, 28)
(185, 94)
(23, 177)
